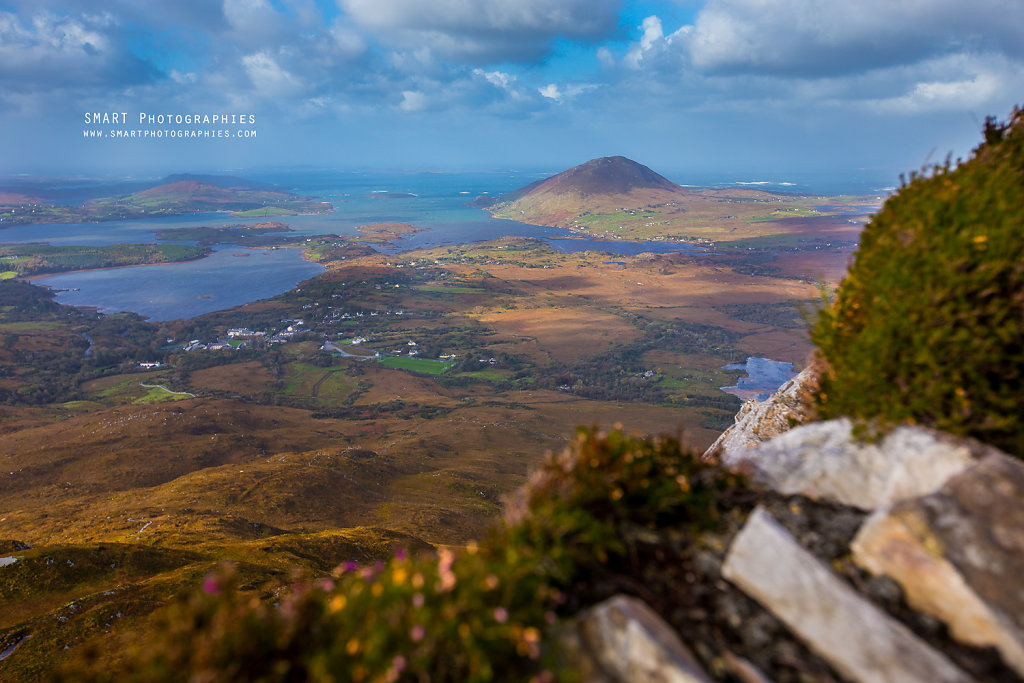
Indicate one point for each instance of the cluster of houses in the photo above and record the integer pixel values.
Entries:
(241, 337)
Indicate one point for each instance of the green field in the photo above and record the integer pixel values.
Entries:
(487, 375)
(263, 212)
(441, 289)
(424, 365)
(32, 259)
(326, 386)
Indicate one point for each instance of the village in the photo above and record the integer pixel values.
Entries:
(347, 344)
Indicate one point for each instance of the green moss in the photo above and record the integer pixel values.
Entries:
(927, 326)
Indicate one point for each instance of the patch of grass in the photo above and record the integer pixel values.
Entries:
(487, 375)
(31, 326)
(82, 406)
(158, 395)
(444, 289)
(423, 365)
(263, 212)
(8, 275)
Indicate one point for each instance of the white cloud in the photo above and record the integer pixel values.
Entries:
(561, 93)
(652, 37)
(818, 37)
(252, 20)
(974, 83)
(412, 100)
(476, 31)
(268, 77)
(47, 51)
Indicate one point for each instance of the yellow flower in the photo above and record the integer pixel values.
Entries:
(352, 646)
(399, 575)
(337, 603)
(377, 589)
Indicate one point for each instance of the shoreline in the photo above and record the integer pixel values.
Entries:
(37, 276)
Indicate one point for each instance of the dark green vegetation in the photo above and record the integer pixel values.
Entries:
(32, 259)
(173, 196)
(486, 613)
(226, 234)
(928, 324)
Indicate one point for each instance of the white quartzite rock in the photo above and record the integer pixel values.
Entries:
(628, 642)
(860, 641)
(824, 461)
(958, 554)
(759, 421)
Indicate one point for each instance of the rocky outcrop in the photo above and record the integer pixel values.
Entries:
(827, 461)
(759, 421)
(858, 639)
(957, 554)
(937, 520)
(622, 640)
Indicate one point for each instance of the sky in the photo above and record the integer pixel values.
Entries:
(753, 86)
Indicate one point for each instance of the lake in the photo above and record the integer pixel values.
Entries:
(763, 378)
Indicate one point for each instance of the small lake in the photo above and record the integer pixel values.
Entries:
(763, 378)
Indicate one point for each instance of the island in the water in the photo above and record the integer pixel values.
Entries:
(385, 233)
(172, 196)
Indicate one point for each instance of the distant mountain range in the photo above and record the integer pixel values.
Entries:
(173, 195)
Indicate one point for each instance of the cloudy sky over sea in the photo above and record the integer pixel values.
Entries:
(754, 85)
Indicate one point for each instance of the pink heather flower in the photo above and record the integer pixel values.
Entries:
(500, 615)
(417, 600)
(350, 566)
(326, 585)
(400, 554)
(210, 585)
(417, 633)
(445, 558)
(550, 618)
(447, 582)
(397, 665)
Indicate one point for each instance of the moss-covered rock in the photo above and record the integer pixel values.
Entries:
(928, 325)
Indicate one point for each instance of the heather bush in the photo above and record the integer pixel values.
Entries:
(928, 326)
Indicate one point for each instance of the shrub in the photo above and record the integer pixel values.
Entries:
(928, 326)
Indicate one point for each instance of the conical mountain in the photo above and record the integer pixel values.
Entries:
(597, 186)
(607, 175)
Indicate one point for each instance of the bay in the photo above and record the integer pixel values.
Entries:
(185, 290)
